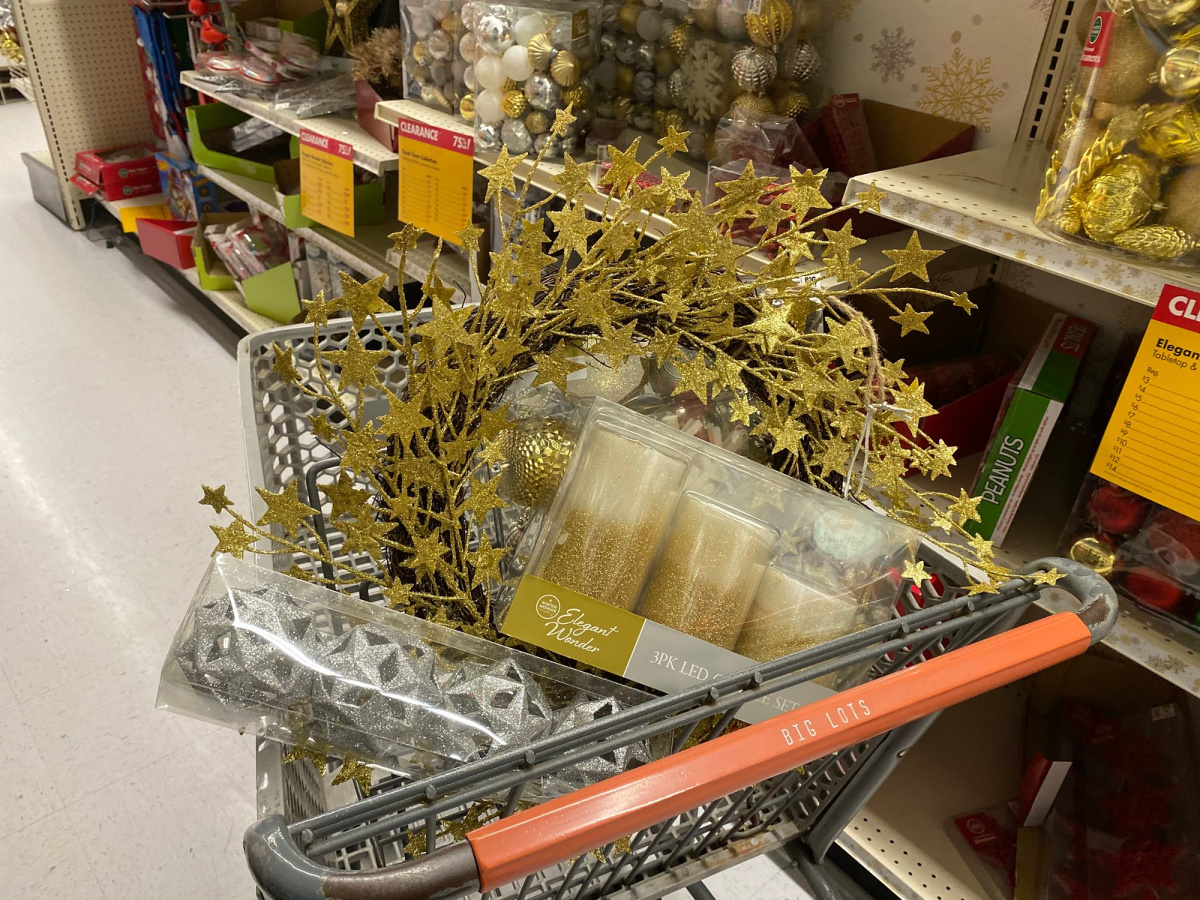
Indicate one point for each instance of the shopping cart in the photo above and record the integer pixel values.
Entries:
(723, 794)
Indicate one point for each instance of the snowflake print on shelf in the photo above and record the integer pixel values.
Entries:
(704, 82)
(893, 54)
(1043, 7)
(846, 9)
(961, 89)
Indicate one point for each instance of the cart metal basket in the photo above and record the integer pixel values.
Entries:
(724, 793)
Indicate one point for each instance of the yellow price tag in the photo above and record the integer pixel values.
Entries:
(327, 181)
(1152, 443)
(437, 167)
(130, 214)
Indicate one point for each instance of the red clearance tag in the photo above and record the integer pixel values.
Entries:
(1095, 51)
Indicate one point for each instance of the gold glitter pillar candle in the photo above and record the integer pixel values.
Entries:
(708, 572)
(618, 502)
(790, 615)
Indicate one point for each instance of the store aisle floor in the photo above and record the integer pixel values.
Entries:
(116, 402)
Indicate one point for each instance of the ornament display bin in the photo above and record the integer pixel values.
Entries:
(723, 795)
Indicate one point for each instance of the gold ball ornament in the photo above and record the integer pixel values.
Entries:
(421, 54)
(1171, 131)
(1179, 74)
(1182, 202)
(514, 103)
(565, 68)
(1095, 553)
(753, 104)
(1160, 242)
(771, 25)
(577, 95)
(681, 38)
(452, 24)
(622, 108)
(1131, 60)
(1120, 197)
(627, 17)
(509, 85)
(705, 13)
(537, 122)
(541, 51)
(624, 80)
(536, 453)
(671, 118)
(466, 107)
(1167, 12)
(664, 61)
(792, 103)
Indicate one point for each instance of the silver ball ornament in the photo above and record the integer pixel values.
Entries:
(676, 84)
(542, 92)
(516, 136)
(802, 63)
(754, 69)
(643, 86)
(627, 50)
(487, 136)
(494, 35)
(550, 143)
(644, 59)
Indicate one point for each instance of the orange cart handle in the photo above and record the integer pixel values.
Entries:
(571, 825)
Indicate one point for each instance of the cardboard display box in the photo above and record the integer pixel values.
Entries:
(210, 133)
(306, 17)
(213, 273)
(368, 198)
(119, 172)
(168, 241)
(897, 137)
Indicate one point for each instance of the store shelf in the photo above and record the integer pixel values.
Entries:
(452, 268)
(369, 154)
(985, 199)
(115, 207)
(367, 251)
(232, 304)
(970, 758)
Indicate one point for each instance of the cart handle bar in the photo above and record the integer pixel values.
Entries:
(573, 824)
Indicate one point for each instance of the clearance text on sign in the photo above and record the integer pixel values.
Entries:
(327, 181)
(437, 167)
(1152, 443)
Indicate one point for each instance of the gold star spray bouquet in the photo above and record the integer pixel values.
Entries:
(828, 409)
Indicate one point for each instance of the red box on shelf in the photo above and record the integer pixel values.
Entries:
(365, 99)
(168, 241)
(120, 172)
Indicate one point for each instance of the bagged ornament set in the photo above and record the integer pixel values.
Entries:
(281, 658)
(1124, 171)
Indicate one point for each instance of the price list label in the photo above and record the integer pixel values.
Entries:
(437, 167)
(1152, 443)
(327, 181)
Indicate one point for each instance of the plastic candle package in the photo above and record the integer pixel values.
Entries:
(659, 542)
(525, 64)
(285, 659)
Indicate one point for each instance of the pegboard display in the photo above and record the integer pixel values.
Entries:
(85, 77)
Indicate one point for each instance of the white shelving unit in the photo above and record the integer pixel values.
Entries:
(985, 199)
(233, 305)
(369, 154)
(367, 251)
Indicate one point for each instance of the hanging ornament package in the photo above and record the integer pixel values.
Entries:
(438, 55)
(667, 560)
(1122, 173)
(292, 661)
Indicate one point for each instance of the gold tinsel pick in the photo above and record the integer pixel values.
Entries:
(412, 477)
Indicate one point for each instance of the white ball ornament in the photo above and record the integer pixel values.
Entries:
(489, 72)
(488, 108)
(527, 26)
(516, 63)
(649, 25)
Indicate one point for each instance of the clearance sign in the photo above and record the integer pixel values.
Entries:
(437, 166)
(1152, 443)
(327, 181)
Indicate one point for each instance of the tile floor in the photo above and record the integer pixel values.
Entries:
(115, 403)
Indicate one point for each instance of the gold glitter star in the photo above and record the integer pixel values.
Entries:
(674, 141)
(842, 241)
(962, 301)
(499, 175)
(965, 508)
(233, 539)
(981, 547)
(314, 755)
(1050, 576)
(804, 192)
(616, 343)
(483, 498)
(911, 320)
(914, 571)
(563, 119)
(468, 237)
(353, 770)
(772, 326)
(346, 499)
(912, 260)
(215, 497)
(554, 367)
(485, 561)
(365, 534)
(399, 595)
(285, 508)
(741, 195)
(406, 238)
(318, 311)
(574, 228)
(694, 376)
(322, 429)
(357, 363)
(361, 299)
(625, 167)
(284, 366)
(574, 179)
(868, 200)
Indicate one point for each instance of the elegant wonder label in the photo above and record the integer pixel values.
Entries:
(1152, 443)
